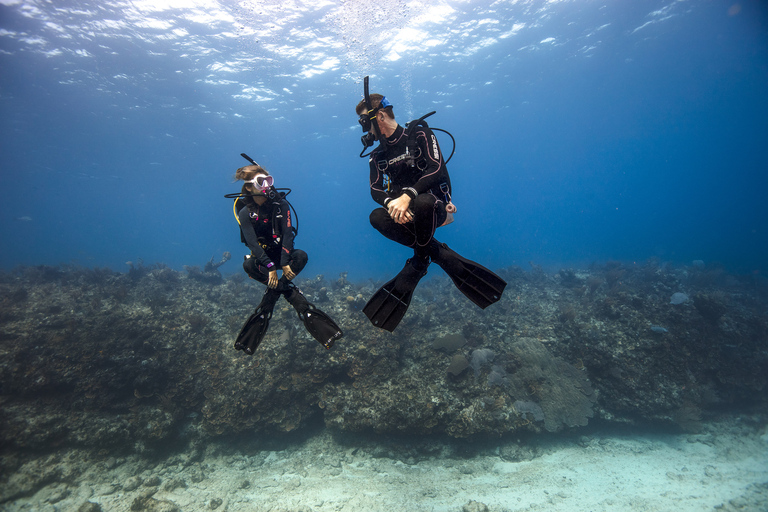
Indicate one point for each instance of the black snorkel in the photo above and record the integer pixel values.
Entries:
(368, 120)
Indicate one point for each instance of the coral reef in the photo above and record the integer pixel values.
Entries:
(102, 360)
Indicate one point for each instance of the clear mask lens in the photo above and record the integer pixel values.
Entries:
(262, 182)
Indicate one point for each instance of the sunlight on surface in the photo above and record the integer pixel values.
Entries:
(226, 38)
(164, 5)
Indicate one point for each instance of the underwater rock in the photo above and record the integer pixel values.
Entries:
(710, 306)
(449, 343)
(459, 363)
(210, 273)
(89, 506)
(147, 503)
(564, 393)
(106, 360)
(474, 506)
(480, 357)
(569, 279)
(678, 298)
(498, 376)
(529, 410)
(132, 483)
(152, 481)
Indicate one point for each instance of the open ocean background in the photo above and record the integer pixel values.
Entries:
(586, 130)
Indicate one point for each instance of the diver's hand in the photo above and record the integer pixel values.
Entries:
(399, 209)
(272, 283)
(287, 272)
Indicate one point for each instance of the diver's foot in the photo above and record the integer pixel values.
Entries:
(445, 257)
(296, 299)
(420, 262)
(406, 280)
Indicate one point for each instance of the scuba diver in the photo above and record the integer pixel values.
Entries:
(266, 227)
(409, 179)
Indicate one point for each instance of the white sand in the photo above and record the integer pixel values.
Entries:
(680, 473)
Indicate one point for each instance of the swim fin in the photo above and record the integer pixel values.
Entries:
(255, 328)
(317, 323)
(476, 282)
(388, 306)
(321, 327)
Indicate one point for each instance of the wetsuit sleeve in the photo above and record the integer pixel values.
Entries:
(378, 191)
(286, 228)
(434, 172)
(251, 240)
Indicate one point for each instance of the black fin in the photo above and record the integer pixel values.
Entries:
(321, 327)
(317, 323)
(388, 306)
(255, 328)
(476, 282)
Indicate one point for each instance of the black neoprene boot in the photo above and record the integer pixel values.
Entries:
(420, 261)
(441, 254)
(296, 299)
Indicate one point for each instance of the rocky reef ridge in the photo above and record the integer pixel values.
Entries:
(103, 360)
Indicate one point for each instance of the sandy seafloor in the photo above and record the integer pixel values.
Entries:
(724, 466)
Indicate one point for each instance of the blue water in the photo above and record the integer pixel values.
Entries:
(586, 131)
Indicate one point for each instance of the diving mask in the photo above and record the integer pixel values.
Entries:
(366, 118)
(262, 182)
(365, 122)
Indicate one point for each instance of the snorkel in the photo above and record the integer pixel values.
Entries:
(368, 120)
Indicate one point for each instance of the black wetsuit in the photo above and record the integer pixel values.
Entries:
(412, 165)
(268, 232)
(267, 229)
